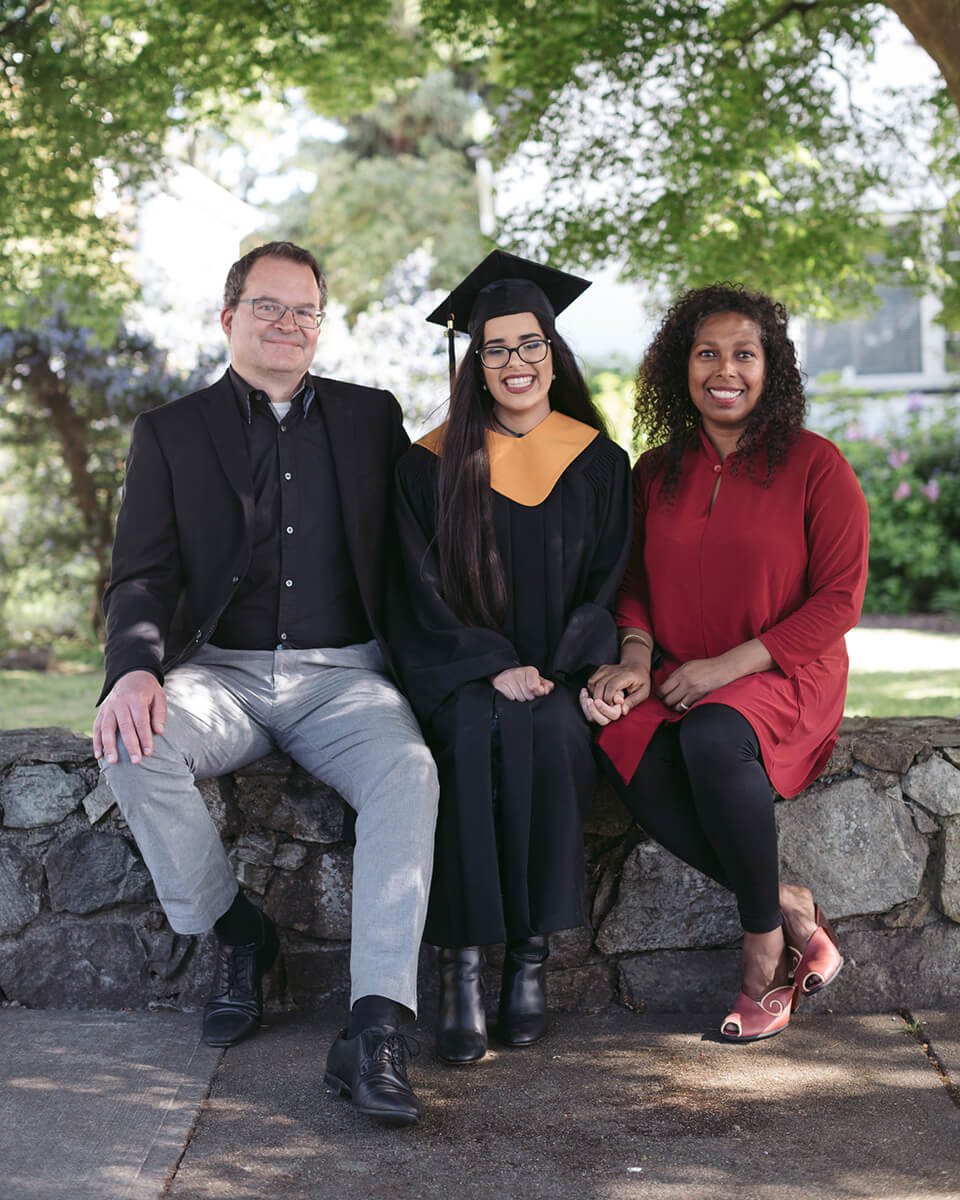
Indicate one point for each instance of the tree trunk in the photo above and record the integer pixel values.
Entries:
(935, 25)
(51, 393)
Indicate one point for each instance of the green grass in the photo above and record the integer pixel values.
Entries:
(903, 694)
(35, 699)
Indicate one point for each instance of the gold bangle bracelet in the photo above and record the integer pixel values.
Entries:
(635, 637)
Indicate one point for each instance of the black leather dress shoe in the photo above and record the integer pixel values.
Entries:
(371, 1071)
(235, 1004)
(523, 995)
(462, 1020)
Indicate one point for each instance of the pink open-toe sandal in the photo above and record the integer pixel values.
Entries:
(820, 962)
(755, 1020)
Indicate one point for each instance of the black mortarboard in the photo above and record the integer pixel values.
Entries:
(503, 284)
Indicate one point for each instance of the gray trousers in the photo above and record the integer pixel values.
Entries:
(338, 715)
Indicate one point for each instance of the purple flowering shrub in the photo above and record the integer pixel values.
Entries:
(911, 479)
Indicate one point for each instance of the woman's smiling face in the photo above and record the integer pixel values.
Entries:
(520, 390)
(725, 372)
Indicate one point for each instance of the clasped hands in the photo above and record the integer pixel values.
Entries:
(613, 690)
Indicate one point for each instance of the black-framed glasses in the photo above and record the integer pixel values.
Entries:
(265, 309)
(532, 351)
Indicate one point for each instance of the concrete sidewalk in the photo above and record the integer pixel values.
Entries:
(615, 1106)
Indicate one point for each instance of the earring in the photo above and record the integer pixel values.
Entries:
(553, 377)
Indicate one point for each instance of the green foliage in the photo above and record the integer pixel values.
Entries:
(696, 141)
(100, 84)
(401, 179)
(67, 406)
(912, 483)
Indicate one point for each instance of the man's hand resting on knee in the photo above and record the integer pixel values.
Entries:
(136, 708)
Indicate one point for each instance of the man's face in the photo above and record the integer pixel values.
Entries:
(262, 351)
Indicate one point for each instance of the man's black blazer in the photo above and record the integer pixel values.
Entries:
(184, 530)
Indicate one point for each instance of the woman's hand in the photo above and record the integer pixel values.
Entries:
(596, 711)
(522, 683)
(613, 690)
(691, 682)
(701, 676)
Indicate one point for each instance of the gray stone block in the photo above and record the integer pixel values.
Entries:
(317, 975)
(35, 795)
(948, 882)
(291, 856)
(587, 988)
(887, 970)
(853, 844)
(315, 900)
(663, 903)
(75, 964)
(53, 745)
(91, 870)
(884, 753)
(21, 879)
(301, 807)
(97, 804)
(936, 785)
(704, 981)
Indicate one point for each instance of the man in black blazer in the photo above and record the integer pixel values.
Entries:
(244, 611)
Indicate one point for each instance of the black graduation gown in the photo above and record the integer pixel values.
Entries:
(516, 778)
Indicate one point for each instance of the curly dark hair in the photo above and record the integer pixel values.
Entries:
(666, 416)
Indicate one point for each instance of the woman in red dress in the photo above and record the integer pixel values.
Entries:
(748, 565)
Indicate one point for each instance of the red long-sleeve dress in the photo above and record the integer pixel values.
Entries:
(786, 564)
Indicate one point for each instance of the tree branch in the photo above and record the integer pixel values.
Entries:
(792, 6)
(33, 7)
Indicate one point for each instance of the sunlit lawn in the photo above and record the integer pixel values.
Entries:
(893, 673)
(34, 699)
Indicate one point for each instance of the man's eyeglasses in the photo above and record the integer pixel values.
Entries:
(533, 351)
(305, 316)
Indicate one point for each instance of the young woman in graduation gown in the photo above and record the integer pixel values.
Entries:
(513, 520)
(748, 565)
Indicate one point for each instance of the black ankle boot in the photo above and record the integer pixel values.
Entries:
(523, 994)
(462, 1021)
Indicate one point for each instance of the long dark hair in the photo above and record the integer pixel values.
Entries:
(666, 416)
(471, 572)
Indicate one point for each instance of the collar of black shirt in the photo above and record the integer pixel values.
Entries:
(245, 394)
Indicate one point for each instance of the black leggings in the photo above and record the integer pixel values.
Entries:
(702, 792)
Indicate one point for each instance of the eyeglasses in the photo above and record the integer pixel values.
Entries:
(530, 352)
(272, 310)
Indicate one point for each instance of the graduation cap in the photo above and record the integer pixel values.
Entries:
(501, 285)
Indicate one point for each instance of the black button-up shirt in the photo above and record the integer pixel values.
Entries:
(300, 589)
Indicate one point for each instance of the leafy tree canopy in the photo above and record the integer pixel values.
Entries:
(401, 178)
(100, 84)
(695, 140)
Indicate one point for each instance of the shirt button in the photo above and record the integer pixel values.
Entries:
(283, 637)
(288, 583)
(718, 468)
(283, 429)
(287, 475)
(289, 529)
(236, 579)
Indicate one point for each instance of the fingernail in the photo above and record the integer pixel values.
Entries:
(134, 758)
(111, 758)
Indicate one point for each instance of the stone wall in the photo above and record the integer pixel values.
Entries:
(877, 837)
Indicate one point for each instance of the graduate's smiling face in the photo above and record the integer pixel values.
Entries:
(520, 390)
(265, 351)
(725, 373)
